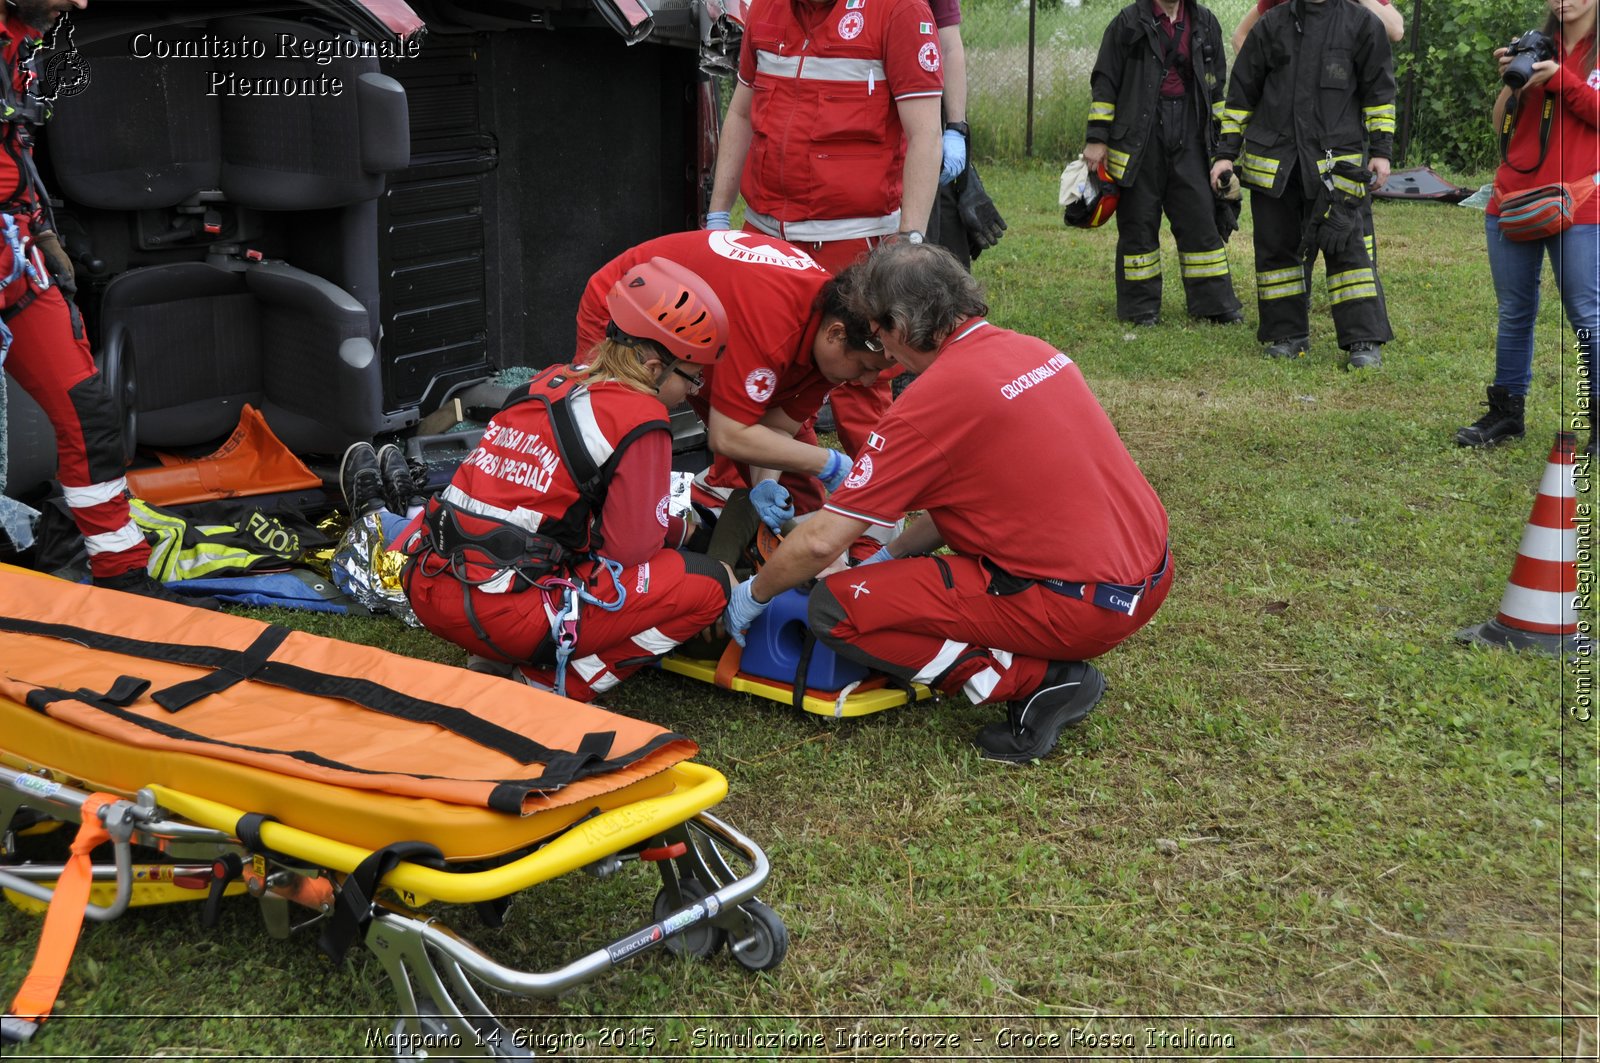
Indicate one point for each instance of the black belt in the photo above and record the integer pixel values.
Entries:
(1117, 597)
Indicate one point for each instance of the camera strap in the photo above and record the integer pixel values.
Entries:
(1546, 119)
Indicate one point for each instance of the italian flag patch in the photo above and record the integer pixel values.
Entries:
(925, 27)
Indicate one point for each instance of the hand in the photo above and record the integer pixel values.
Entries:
(743, 610)
(1094, 153)
(55, 256)
(1542, 72)
(835, 469)
(773, 504)
(955, 157)
(718, 220)
(1218, 168)
(1380, 170)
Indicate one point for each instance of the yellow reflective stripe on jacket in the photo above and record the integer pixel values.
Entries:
(1116, 163)
(1234, 120)
(1379, 118)
(1141, 267)
(1102, 111)
(1258, 170)
(1219, 108)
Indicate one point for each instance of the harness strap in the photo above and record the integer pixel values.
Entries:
(63, 921)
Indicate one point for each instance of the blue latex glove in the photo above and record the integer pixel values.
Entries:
(720, 219)
(955, 157)
(743, 609)
(882, 555)
(772, 503)
(835, 471)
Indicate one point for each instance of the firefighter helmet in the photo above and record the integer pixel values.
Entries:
(666, 303)
(1088, 197)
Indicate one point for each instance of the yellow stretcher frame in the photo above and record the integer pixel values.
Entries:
(843, 705)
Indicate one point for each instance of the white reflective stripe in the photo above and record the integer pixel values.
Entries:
(587, 668)
(653, 642)
(594, 440)
(94, 494)
(821, 232)
(1549, 544)
(114, 542)
(500, 584)
(526, 519)
(779, 66)
(1538, 607)
(942, 660)
(819, 68)
(1557, 481)
(981, 686)
(1001, 657)
(604, 683)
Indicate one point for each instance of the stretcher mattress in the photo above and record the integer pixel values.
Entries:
(319, 762)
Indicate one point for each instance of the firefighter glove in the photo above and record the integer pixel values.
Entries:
(1341, 232)
(978, 213)
(773, 504)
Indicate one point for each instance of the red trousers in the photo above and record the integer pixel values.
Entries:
(50, 358)
(670, 598)
(933, 620)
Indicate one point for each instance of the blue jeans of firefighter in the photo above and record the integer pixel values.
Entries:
(1518, 270)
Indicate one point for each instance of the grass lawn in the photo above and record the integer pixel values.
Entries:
(1303, 819)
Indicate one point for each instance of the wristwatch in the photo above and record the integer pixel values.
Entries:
(912, 237)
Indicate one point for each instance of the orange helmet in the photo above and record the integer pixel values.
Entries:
(1098, 202)
(665, 303)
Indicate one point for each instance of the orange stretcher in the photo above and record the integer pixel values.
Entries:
(204, 756)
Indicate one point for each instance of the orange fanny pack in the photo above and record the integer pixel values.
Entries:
(1544, 211)
(164, 676)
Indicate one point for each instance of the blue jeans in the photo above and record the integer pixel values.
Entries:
(1517, 268)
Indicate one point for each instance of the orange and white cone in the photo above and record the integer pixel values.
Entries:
(1539, 610)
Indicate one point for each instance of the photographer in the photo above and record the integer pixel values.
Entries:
(1563, 149)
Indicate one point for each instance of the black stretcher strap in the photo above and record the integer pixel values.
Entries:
(352, 907)
(245, 666)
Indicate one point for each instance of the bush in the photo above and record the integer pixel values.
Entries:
(1456, 78)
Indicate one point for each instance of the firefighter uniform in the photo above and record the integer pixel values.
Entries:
(49, 354)
(505, 546)
(1313, 86)
(1157, 88)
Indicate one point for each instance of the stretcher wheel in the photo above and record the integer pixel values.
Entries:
(705, 939)
(768, 942)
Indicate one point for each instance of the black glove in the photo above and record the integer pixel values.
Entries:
(1227, 212)
(978, 213)
(1342, 231)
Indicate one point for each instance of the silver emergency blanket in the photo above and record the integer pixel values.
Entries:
(16, 519)
(368, 570)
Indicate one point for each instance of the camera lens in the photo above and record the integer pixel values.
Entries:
(1521, 69)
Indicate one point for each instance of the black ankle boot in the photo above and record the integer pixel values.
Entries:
(1503, 421)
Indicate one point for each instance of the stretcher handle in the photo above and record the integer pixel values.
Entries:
(395, 930)
(120, 818)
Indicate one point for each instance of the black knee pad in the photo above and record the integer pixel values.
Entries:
(701, 565)
(102, 434)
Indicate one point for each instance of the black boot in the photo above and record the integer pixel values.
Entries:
(1503, 421)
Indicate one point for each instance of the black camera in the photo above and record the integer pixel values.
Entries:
(1530, 48)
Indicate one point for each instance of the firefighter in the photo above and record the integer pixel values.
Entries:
(790, 340)
(849, 98)
(1157, 89)
(553, 547)
(1037, 580)
(49, 353)
(1310, 117)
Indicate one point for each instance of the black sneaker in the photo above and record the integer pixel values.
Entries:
(1365, 356)
(1034, 724)
(1293, 347)
(400, 488)
(361, 480)
(138, 581)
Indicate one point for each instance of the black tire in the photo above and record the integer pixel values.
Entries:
(703, 940)
(769, 941)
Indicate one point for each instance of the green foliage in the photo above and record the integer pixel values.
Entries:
(1451, 52)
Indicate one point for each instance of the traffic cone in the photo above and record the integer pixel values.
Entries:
(1539, 610)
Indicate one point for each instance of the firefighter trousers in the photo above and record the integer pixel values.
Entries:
(1283, 280)
(50, 359)
(933, 620)
(1174, 179)
(669, 598)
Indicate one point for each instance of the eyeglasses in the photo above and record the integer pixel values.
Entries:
(692, 378)
(874, 344)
